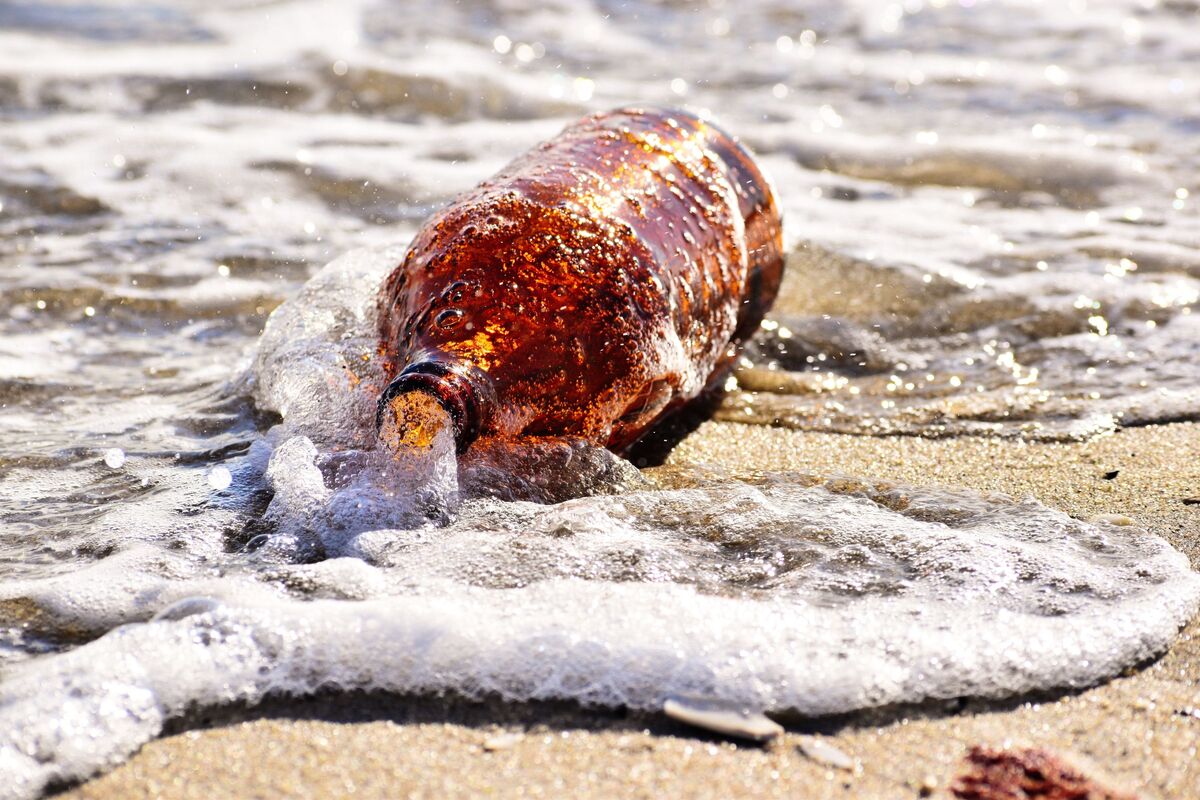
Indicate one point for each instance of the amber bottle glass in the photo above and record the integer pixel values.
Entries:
(591, 287)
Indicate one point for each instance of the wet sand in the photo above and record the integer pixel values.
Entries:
(1139, 732)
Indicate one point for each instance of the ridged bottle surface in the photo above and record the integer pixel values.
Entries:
(591, 287)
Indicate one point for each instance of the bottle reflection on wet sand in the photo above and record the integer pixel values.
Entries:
(596, 284)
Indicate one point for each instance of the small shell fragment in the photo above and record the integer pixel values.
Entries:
(1113, 519)
(502, 741)
(726, 719)
(825, 753)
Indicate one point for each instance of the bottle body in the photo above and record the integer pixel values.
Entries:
(589, 288)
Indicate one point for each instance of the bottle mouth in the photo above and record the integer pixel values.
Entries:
(453, 390)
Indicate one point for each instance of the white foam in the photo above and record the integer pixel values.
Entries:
(778, 597)
(316, 364)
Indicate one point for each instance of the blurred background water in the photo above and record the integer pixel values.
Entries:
(990, 210)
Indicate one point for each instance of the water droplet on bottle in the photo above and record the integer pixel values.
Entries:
(449, 318)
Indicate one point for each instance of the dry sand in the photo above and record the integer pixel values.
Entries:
(1140, 731)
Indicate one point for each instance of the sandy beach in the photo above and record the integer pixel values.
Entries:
(1139, 732)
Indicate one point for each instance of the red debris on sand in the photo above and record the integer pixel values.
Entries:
(1025, 774)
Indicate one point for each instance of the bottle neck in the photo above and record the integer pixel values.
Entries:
(463, 391)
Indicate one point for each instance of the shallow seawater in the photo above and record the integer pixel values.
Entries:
(991, 216)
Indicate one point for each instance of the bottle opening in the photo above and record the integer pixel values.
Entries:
(412, 421)
(427, 397)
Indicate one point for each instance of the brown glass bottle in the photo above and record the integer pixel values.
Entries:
(590, 288)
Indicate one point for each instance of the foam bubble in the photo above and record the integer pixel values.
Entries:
(219, 478)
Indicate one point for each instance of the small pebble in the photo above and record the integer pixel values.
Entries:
(825, 753)
(723, 718)
(114, 458)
